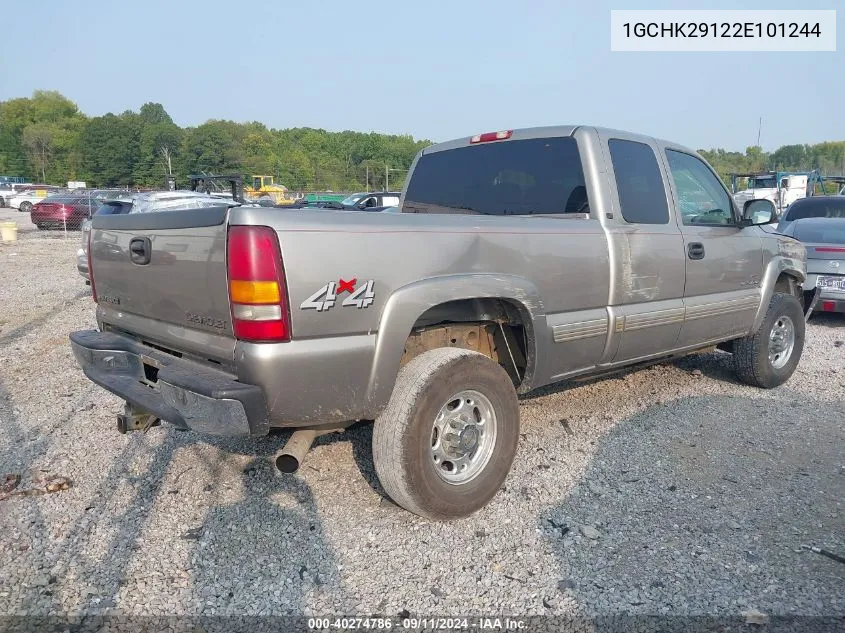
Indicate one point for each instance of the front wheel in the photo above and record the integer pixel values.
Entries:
(768, 357)
(25, 207)
(446, 440)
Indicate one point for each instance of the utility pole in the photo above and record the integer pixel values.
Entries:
(367, 186)
(386, 177)
(759, 129)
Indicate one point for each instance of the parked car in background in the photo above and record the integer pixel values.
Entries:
(24, 200)
(362, 201)
(365, 201)
(115, 206)
(813, 207)
(62, 211)
(108, 194)
(824, 240)
(9, 189)
(378, 209)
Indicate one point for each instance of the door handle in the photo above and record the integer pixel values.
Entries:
(140, 250)
(695, 250)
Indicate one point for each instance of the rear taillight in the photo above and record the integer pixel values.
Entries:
(491, 136)
(257, 289)
(91, 268)
(830, 249)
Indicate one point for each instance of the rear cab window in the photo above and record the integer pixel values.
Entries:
(515, 177)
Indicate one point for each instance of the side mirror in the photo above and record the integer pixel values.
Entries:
(757, 212)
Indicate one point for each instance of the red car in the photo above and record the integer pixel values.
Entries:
(62, 211)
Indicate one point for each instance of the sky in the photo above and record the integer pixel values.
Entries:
(435, 69)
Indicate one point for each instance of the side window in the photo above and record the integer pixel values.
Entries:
(638, 181)
(701, 197)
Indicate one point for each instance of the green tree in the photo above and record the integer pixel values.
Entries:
(54, 123)
(39, 141)
(213, 147)
(158, 153)
(154, 113)
(109, 149)
(790, 157)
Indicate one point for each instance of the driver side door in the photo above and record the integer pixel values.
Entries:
(723, 262)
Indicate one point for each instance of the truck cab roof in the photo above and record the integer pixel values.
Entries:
(518, 134)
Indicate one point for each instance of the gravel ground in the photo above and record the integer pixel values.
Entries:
(669, 491)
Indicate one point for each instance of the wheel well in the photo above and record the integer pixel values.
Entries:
(787, 284)
(497, 328)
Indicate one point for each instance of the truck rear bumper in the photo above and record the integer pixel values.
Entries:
(177, 390)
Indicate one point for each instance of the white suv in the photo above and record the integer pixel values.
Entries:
(9, 189)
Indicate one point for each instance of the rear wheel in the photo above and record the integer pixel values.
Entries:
(768, 357)
(25, 207)
(42, 227)
(446, 440)
(2, 202)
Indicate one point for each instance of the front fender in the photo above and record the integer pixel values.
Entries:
(409, 302)
(778, 265)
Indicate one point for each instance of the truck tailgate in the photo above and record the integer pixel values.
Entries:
(168, 268)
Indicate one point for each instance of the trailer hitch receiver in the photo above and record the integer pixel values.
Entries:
(135, 419)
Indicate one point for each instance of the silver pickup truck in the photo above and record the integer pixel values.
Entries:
(519, 258)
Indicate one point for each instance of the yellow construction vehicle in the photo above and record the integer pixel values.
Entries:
(263, 188)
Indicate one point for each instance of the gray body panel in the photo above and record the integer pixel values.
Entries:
(594, 293)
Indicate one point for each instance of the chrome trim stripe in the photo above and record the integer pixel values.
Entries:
(653, 319)
(631, 322)
(722, 307)
(582, 329)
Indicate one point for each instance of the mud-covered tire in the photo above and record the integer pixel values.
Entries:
(403, 439)
(752, 360)
(25, 207)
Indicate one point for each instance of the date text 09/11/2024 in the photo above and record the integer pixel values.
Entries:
(421, 623)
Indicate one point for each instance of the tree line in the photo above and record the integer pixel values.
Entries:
(46, 138)
(827, 157)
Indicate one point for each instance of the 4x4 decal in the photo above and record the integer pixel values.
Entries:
(325, 298)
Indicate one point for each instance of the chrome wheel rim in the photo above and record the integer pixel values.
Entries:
(781, 342)
(462, 437)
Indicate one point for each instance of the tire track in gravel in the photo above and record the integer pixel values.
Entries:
(103, 522)
(27, 446)
(26, 452)
(18, 332)
(734, 486)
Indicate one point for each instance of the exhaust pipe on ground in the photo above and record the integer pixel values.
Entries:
(290, 458)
